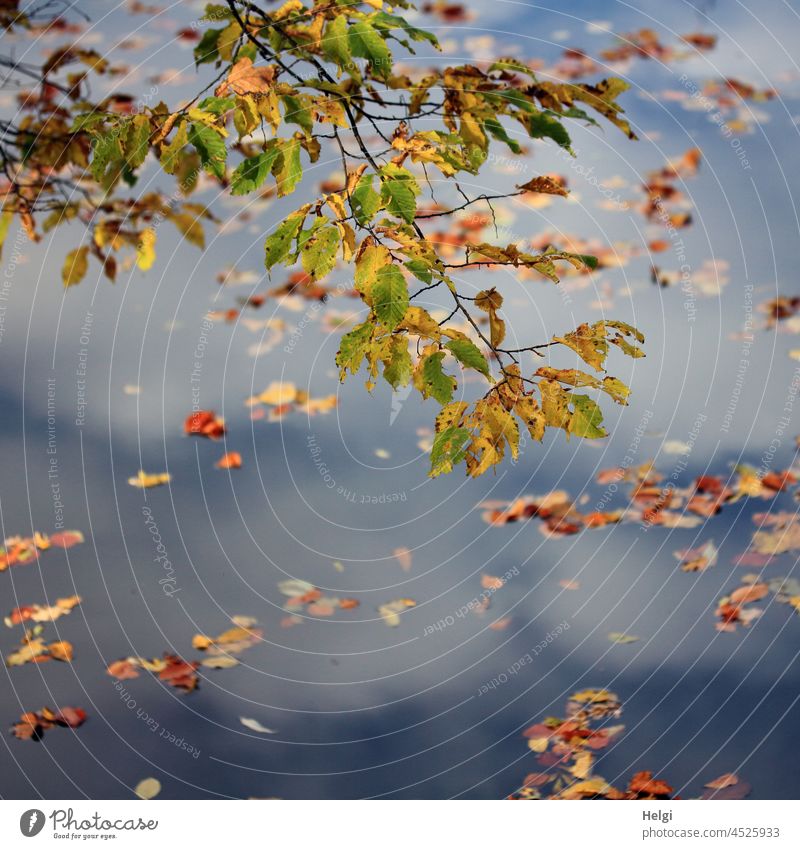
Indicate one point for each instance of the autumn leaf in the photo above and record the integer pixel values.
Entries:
(622, 638)
(148, 788)
(204, 423)
(231, 460)
(32, 725)
(42, 613)
(403, 557)
(390, 611)
(145, 480)
(544, 185)
(490, 582)
(749, 593)
(75, 267)
(246, 78)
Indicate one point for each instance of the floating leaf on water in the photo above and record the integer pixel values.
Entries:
(148, 788)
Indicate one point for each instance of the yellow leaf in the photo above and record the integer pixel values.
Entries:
(418, 322)
(588, 342)
(269, 106)
(390, 612)
(148, 788)
(336, 203)
(146, 249)
(246, 116)
(370, 259)
(582, 765)
(531, 414)
(590, 787)
(277, 394)
(143, 480)
(450, 415)
(222, 661)
(30, 650)
(75, 266)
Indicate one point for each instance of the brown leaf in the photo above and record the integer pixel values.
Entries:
(643, 784)
(545, 185)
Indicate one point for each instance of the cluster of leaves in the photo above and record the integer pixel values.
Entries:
(33, 649)
(41, 612)
(171, 669)
(174, 671)
(565, 750)
(19, 550)
(290, 80)
(652, 502)
(32, 725)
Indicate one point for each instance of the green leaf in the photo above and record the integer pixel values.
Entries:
(397, 362)
(353, 348)
(586, 418)
(335, 44)
(390, 296)
(364, 200)
(421, 270)
(318, 255)
(137, 141)
(432, 381)
(87, 121)
(367, 42)
(448, 450)
(399, 200)
(206, 49)
(297, 112)
(468, 354)
(387, 22)
(106, 149)
(499, 132)
(287, 168)
(399, 192)
(217, 105)
(211, 148)
(250, 174)
(540, 126)
(277, 246)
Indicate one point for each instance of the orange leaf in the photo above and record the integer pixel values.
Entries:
(231, 460)
(748, 593)
(245, 78)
